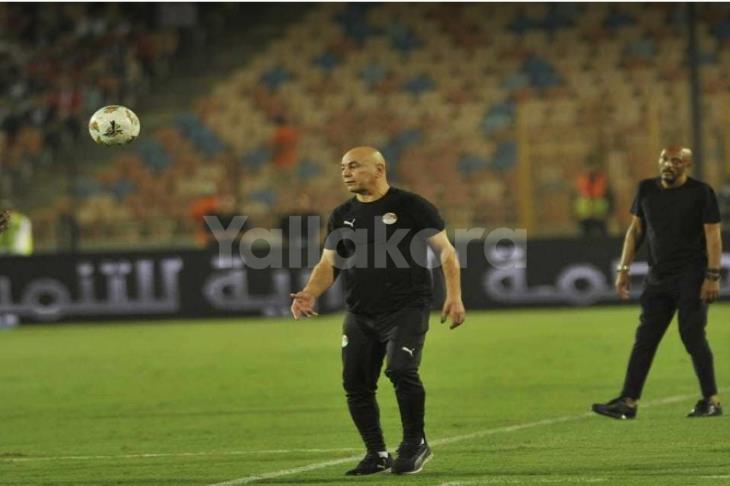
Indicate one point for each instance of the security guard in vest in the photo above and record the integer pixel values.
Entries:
(16, 236)
(594, 202)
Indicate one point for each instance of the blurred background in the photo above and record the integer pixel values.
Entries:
(492, 111)
(537, 116)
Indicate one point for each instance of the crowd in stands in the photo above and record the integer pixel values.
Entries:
(489, 110)
(61, 62)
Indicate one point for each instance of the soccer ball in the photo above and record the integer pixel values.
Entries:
(114, 125)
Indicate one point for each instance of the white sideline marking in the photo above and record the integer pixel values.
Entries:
(444, 441)
(173, 454)
(561, 480)
(288, 472)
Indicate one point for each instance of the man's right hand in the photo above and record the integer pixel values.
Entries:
(4, 219)
(623, 284)
(302, 305)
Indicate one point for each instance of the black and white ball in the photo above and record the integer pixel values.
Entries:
(114, 125)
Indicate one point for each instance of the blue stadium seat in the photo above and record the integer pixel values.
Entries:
(499, 116)
(123, 187)
(199, 134)
(522, 23)
(506, 156)
(561, 16)
(419, 84)
(153, 154)
(308, 169)
(257, 158)
(87, 186)
(403, 39)
(354, 23)
(469, 163)
(643, 48)
(326, 61)
(275, 77)
(542, 74)
(265, 196)
(616, 19)
(373, 74)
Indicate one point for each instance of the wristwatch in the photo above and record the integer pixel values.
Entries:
(712, 274)
(622, 268)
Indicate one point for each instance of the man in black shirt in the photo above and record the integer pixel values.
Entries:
(378, 241)
(681, 218)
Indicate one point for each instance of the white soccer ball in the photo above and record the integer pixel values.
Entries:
(114, 125)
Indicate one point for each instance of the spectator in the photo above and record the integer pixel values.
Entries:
(203, 205)
(284, 144)
(594, 202)
(17, 239)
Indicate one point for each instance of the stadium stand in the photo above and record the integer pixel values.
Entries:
(490, 110)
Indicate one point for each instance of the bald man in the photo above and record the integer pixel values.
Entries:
(681, 218)
(378, 240)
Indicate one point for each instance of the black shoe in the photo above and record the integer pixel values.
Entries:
(411, 458)
(616, 408)
(705, 408)
(372, 463)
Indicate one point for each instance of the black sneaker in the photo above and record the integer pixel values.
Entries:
(411, 458)
(372, 463)
(705, 408)
(616, 408)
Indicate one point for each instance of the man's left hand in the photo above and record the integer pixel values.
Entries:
(710, 291)
(302, 305)
(453, 309)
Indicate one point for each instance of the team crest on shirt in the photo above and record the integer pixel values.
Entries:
(390, 218)
(344, 340)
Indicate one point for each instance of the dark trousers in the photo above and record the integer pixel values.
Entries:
(659, 302)
(366, 342)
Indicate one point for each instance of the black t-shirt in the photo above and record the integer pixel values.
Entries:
(673, 222)
(382, 251)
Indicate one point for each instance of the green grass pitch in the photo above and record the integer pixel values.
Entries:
(259, 401)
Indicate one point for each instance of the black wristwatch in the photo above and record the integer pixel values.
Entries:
(712, 274)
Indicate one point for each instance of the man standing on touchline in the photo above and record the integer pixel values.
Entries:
(681, 218)
(388, 299)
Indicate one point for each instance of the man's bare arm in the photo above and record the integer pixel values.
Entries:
(453, 307)
(713, 236)
(632, 242)
(322, 278)
(710, 290)
(323, 275)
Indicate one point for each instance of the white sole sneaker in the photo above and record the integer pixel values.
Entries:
(422, 464)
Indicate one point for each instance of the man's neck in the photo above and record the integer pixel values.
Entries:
(373, 195)
(677, 183)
